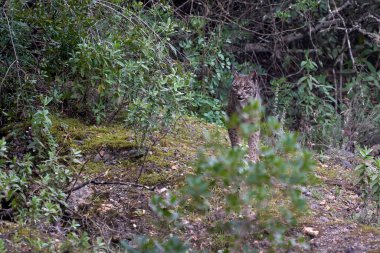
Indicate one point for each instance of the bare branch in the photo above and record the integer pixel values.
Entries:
(324, 23)
(12, 42)
(375, 37)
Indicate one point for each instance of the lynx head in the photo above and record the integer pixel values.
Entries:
(244, 87)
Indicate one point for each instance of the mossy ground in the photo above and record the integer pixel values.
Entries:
(121, 211)
(167, 164)
(118, 211)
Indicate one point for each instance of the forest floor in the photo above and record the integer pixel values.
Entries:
(112, 206)
(336, 209)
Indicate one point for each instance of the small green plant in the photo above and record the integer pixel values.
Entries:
(2, 246)
(143, 244)
(368, 179)
(306, 5)
(42, 169)
(33, 186)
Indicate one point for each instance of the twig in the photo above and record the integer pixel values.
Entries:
(336, 88)
(122, 104)
(12, 42)
(323, 23)
(348, 38)
(6, 73)
(123, 183)
(76, 179)
(375, 37)
(113, 7)
(95, 182)
(152, 145)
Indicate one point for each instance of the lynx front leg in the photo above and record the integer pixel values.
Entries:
(234, 137)
(253, 145)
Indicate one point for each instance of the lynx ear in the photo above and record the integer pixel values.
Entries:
(253, 74)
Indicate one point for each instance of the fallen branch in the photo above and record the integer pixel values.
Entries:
(95, 182)
(73, 189)
(123, 183)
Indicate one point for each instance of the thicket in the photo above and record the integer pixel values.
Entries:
(319, 61)
(95, 58)
(149, 62)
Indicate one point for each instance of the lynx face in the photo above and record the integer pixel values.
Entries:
(244, 88)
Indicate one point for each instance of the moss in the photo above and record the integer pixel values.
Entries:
(110, 140)
(26, 232)
(6, 226)
(180, 146)
(89, 138)
(326, 172)
(65, 122)
(95, 167)
(221, 241)
(368, 230)
(154, 178)
(188, 135)
(158, 161)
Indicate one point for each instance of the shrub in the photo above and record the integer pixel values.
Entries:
(250, 192)
(33, 184)
(368, 179)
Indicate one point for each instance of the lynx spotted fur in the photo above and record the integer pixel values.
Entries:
(244, 88)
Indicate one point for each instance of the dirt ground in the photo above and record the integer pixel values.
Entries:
(337, 208)
(120, 212)
(111, 204)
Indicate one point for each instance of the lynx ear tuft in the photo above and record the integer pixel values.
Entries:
(253, 74)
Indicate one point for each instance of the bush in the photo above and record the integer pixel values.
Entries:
(247, 193)
(368, 179)
(33, 184)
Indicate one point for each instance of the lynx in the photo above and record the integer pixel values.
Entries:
(244, 88)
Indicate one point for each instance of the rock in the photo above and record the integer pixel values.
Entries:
(80, 196)
(375, 150)
(330, 197)
(310, 231)
(97, 158)
(164, 189)
(323, 219)
(346, 164)
(79, 142)
(105, 208)
(305, 191)
(135, 153)
(313, 206)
